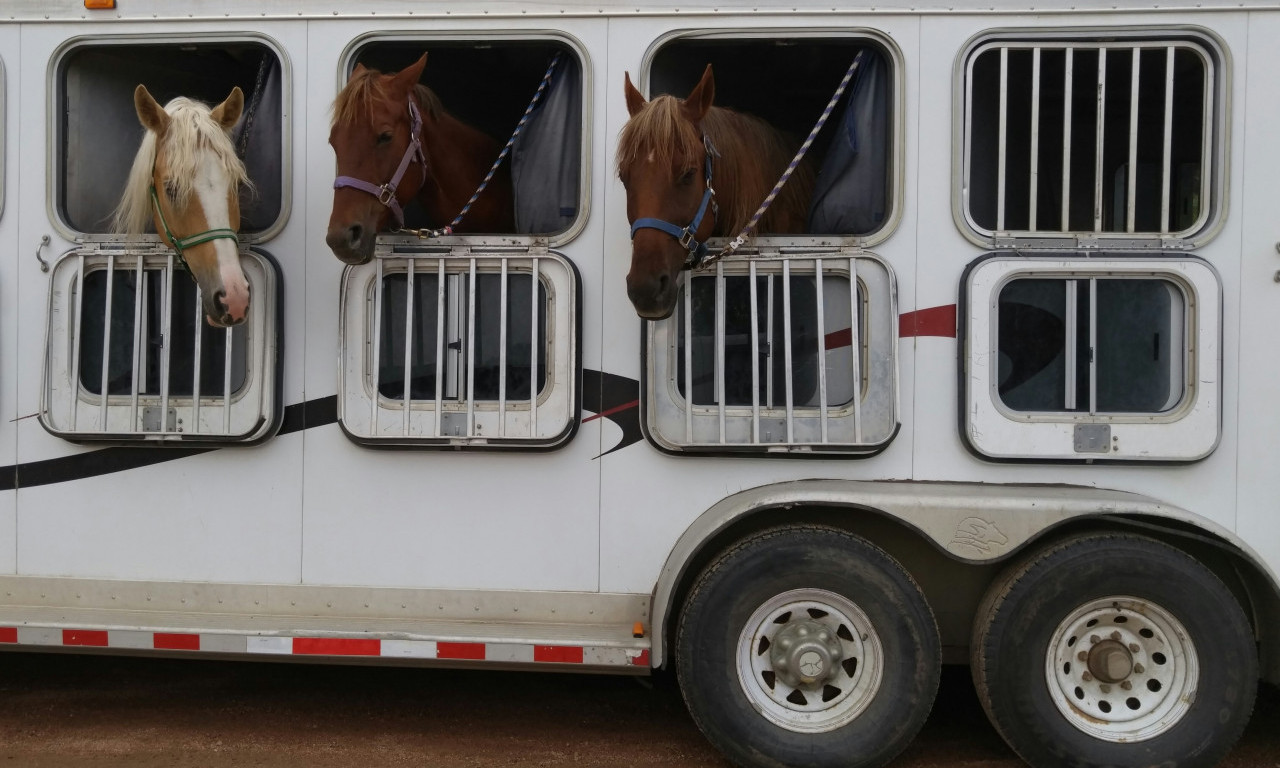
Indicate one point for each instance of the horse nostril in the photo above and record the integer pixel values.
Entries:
(663, 282)
(219, 303)
(355, 233)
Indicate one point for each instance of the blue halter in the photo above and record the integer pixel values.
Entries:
(688, 236)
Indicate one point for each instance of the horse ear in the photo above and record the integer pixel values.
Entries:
(358, 69)
(699, 99)
(228, 112)
(150, 113)
(635, 101)
(409, 76)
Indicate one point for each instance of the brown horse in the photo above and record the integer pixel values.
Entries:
(394, 142)
(186, 180)
(670, 153)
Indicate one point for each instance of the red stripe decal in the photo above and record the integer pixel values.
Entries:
(613, 410)
(331, 646)
(642, 660)
(171, 641)
(934, 321)
(460, 651)
(838, 339)
(8, 634)
(93, 637)
(561, 654)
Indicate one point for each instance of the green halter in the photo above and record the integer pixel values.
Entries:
(182, 243)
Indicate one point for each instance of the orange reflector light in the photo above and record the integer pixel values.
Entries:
(99, 5)
(637, 629)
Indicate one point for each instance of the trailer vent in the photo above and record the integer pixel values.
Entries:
(460, 349)
(1088, 138)
(780, 354)
(130, 356)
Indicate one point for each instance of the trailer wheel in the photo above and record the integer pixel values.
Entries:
(1114, 650)
(809, 646)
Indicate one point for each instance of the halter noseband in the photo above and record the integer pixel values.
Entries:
(386, 193)
(182, 243)
(688, 236)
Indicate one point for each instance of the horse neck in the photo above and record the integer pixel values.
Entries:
(752, 157)
(459, 156)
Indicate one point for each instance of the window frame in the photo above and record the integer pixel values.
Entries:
(670, 426)
(1189, 431)
(368, 417)
(1213, 184)
(56, 101)
(249, 415)
(346, 62)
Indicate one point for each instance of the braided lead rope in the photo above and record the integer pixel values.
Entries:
(737, 242)
(448, 229)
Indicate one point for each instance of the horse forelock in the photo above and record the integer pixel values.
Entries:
(752, 154)
(191, 133)
(661, 132)
(367, 88)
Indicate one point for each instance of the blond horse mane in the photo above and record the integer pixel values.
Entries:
(753, 155)
(191, 131)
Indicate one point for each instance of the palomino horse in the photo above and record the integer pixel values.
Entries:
(186, 179)
(694, 171)
(394, 142)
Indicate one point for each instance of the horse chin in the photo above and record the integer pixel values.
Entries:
(656, 313)
(225, 322)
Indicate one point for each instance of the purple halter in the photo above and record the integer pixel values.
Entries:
(386, 193)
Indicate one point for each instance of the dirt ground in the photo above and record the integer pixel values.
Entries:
(65, 711)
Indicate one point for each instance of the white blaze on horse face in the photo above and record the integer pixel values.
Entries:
(211, 189)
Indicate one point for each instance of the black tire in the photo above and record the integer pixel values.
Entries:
(1165, 675)
(826, 588)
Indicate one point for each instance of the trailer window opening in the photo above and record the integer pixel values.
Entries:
(1091, 345)
(99, 130)
(1110, 137)
(787, 81)
(137, 336)
(488, 83)
(496, 354)
(816, 366)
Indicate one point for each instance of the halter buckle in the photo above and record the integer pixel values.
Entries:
(687, 240)
(386, 194)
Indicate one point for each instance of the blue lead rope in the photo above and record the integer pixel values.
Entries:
(737, 242)
(537, 96)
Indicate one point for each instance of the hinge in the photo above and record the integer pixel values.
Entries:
(1086, 242)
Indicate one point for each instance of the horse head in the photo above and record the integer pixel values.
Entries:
(665, 164)
(186, 179)
(376, 136)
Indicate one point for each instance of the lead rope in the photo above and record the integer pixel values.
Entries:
(737, 242)
(448, 229)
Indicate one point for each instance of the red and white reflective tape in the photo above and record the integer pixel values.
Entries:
(291, 645)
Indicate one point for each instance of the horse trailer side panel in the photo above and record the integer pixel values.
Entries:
(10, 120)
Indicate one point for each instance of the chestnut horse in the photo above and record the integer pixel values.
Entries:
(694, 171)
(186, 180)
(394, 142)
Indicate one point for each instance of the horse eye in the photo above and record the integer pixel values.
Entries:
(686, 178)
(384, 137)
(171, 189)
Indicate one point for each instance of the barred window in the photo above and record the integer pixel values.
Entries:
(1113, 138)
(460, 350)
(784, 354)
(126, 322)
(1112, 358)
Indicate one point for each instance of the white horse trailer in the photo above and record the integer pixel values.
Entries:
(1007, 402)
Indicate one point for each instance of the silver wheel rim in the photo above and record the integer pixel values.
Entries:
(1122, 669)
(809, 660)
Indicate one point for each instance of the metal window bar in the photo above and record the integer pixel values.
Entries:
(822, 349)
(786, 341)
(755, 356)
(138, 286)
(688, 355)
(166, 326)
(1167, 156)
(377, 347)
(410, 269)
(471, 349)
(1099, 134)
(719, 352)
(1068, 68)
(1093, 346)
(440, 294)
(195, 377)
(106, 345)
(1071, 289)
(502, 353)
(1131, 192)
(1003, 137)
(533, 348)
(1035, 139)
